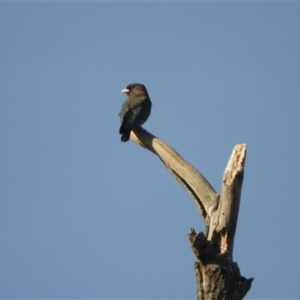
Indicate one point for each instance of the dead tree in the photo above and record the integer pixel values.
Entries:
(217, 276)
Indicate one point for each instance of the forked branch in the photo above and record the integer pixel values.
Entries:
(217, 276)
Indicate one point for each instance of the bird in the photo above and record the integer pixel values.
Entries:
(135, 110)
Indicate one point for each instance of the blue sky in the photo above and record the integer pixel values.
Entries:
(85, 216)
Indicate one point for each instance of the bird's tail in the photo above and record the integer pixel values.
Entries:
(125, 133)
(125, 136)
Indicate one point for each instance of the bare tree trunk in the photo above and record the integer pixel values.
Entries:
(217, 276)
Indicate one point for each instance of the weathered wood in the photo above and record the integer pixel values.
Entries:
(204, 196)
(230, 198)
(217, 276)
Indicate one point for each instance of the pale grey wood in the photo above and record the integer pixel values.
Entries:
(217, 276)
(204, 196)
(230, 197)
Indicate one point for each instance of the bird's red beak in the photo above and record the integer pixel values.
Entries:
(126, 91)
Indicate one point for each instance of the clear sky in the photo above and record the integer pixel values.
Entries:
(83, 215)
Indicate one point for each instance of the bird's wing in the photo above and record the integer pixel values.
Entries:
(124, 110)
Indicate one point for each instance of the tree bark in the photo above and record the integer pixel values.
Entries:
(217, 276)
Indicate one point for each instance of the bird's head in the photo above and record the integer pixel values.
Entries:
(135, 88)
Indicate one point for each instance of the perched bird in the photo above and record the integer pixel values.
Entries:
(135, 110)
